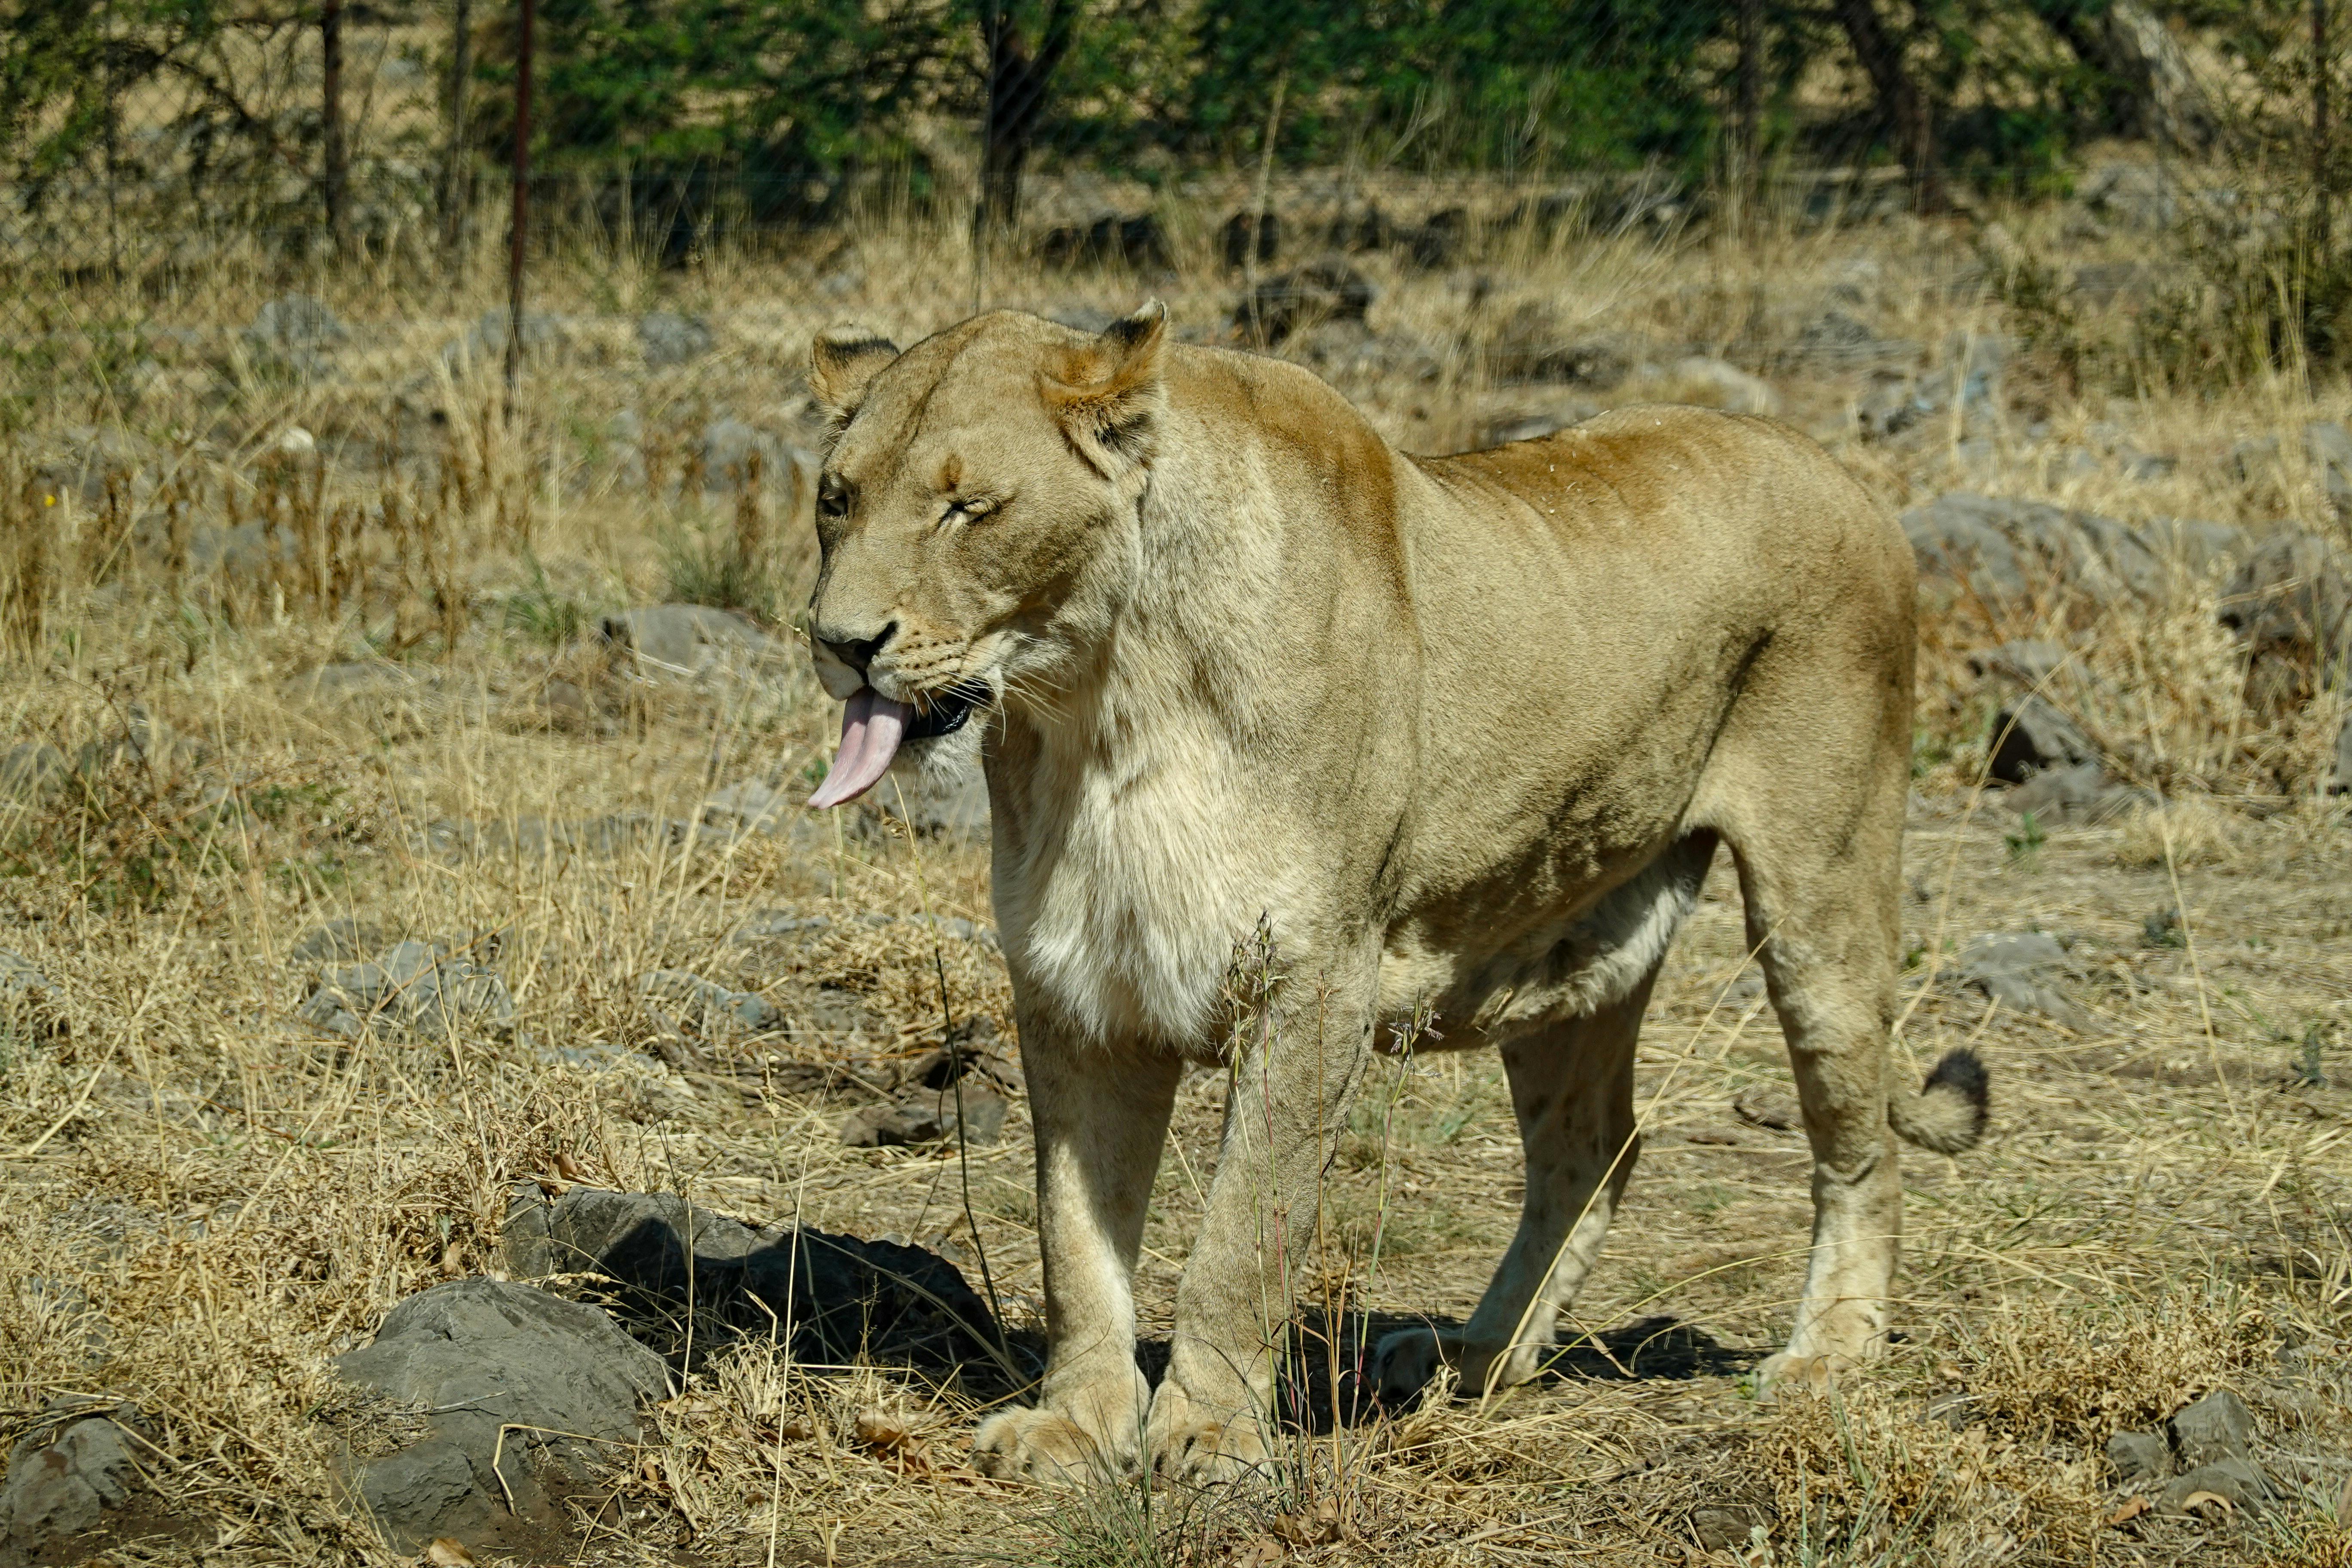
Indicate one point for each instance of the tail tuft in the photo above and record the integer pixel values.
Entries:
(1949, 1112)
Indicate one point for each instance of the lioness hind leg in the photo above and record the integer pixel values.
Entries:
(1824, 919)
(1572, 1090)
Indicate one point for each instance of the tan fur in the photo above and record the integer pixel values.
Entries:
(1465, 731)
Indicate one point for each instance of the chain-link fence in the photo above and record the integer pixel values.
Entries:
(168, 168)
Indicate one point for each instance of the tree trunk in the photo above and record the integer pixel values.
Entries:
(456, 169)
(1017, 82)
(1903, 107)
(2153, 91)
(331, 117)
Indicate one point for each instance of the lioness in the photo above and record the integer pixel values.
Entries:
(1464, 731)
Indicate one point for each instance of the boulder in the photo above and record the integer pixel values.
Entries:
(2293, 593)
(733, 450)
(684, 1272)
(342, 939)
(523, 1395)
(669, 340)
(414, 987)
(292, 333)
(2031, 735)
(2023, 970)
(1234, 239)
(1320, 291)
(2011, 552)
(2235, 1481)
(681, 641)
(2141, 197)
(2217, 1426)
(1110, 239)
(64, 1486)
(2328, 446)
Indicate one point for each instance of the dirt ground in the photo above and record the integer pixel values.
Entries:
(205, 1195)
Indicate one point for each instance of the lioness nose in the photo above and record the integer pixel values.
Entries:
(858, 653)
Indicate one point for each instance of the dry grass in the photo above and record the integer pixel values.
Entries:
(203, 1200)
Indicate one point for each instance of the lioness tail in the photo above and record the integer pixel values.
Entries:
(1949, 1113)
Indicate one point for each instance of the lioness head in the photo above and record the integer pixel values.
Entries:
(968, 510)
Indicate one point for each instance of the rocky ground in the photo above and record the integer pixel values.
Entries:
(459, 1104)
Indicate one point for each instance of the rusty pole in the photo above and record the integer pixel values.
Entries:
(521, 223)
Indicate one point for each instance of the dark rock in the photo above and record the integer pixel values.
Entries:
(1320, 291)
(1529, 347)
(1438, 241)
(2031, 735)
(548, 1387)
(680, 641)
(669, 338)
(2294, 592)
(928, 1118)
(2139, 1456)
(65, 1486)
(836, 1297)
(414, 987)
(2235, 1480)
(1728, 1527)
(1110, 239)
(2022, 971)
(342, 939)
(1234, 239)
(1370, 229)
(2217, 1426)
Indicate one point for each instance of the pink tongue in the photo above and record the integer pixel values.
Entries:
(871, 726)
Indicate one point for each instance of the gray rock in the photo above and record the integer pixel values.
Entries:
(769, 923)
(32, 769)
(2132, 196)
(680, 1268)
(2234, 1479)
(2009, 551)
(2075, 795)
(30, 1002)
(2026, 661)
(749, 806)
(485, 342)
(954, 808)
(414, 987)
(2139, 1456)
(669, 338)
(2023, 970)
(2031, 735)
(728, 446)
(341, 939)
(2294, 592)
(143, 742)
(559, 1380)
(1837, 338)
(293, 333)
(65, 1487)
(680, 641)
(928, 1118)
(707, 1006)
(2217, 1426)
(2328, 444)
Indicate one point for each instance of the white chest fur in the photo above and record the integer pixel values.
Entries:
(1122, 904)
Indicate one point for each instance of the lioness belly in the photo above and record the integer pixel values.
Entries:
(1482, 994)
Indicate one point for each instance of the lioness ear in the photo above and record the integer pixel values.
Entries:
(1107, 394)
(842, 362)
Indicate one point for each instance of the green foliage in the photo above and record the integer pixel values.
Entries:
(542, 615)
(2026, 842)
(704, 564)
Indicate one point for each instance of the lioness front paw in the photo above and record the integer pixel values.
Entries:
(1041, 1447)
(1198, 1446)
(1787, 1369)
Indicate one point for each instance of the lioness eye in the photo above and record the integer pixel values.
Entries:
(970, 511)
(832, 498)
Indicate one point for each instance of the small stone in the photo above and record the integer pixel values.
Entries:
(2235, 1480)
(2031, 736)
(2022, 971)
(2217, 1426)
(1727, 1527)
(928, 1118)
(414, 987)
(2139, 1456)
(706, 1006)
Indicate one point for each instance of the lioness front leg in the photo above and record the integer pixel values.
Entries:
(1212, 1416)
(1100, 1115)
